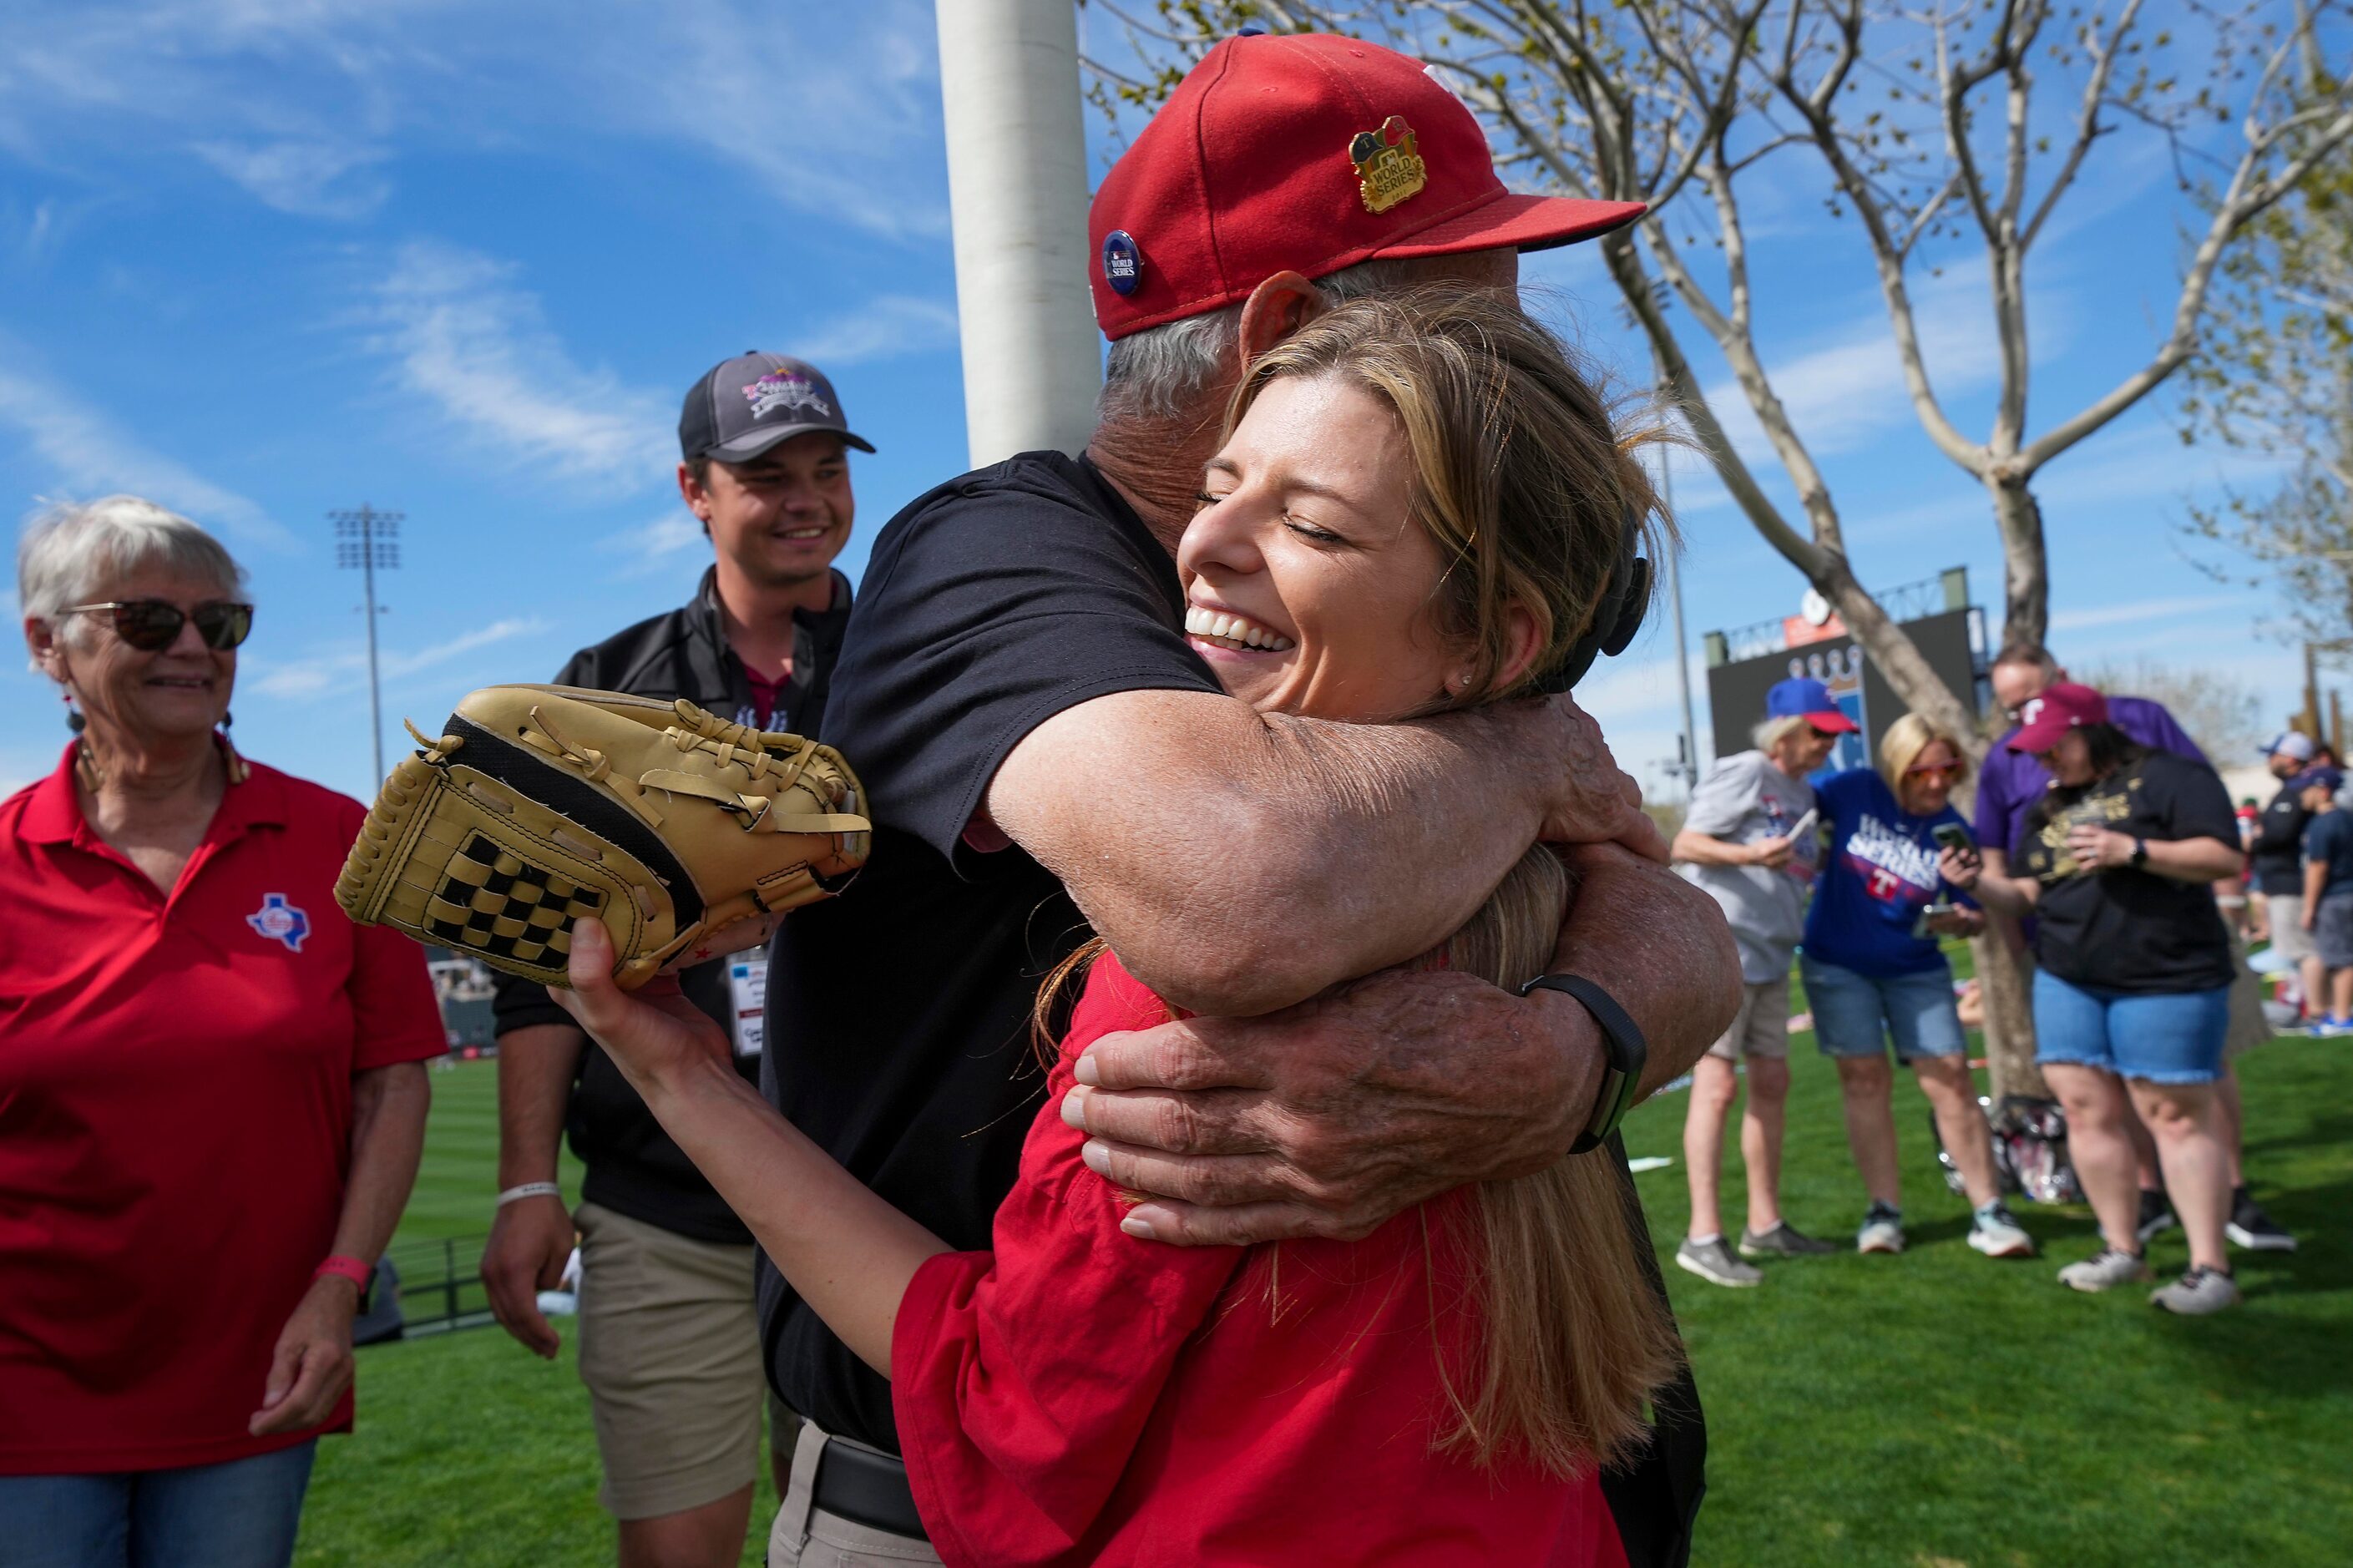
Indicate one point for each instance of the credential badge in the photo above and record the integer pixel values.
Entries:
(280, 921)
(1389, 170)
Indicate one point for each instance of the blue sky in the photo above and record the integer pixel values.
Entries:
(260, 260)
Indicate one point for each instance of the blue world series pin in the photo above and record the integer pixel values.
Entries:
(1122, 263)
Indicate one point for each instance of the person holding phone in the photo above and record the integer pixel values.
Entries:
(1875, 971)
(2132, 983)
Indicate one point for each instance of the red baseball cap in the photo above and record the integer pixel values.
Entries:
(2063, 707)
(1309, 153)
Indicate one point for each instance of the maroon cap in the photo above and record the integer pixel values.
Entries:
(1306, 152)
(2063, 707)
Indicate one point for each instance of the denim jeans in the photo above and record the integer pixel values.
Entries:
(241, 1514)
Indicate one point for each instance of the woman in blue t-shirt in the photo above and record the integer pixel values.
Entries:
(1872, 969)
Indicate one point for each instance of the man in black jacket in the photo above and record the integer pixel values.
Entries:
(668, 1335)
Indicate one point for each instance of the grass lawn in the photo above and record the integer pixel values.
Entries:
(1927, 1410)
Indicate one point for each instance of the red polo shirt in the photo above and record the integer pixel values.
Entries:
(175, 1116)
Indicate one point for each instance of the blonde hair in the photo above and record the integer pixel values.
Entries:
(1525, 484)
(1905, 740)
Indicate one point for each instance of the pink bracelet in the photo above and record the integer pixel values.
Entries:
(351, 1268)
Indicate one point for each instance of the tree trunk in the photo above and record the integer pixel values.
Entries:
(2000, 955)
(2025, 567)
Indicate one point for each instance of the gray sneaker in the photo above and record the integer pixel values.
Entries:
(2197, 1293)
(1882, 1229)
(1712, 1261)
(1994, 1231)
(2106, 1270)
(1784, 1240)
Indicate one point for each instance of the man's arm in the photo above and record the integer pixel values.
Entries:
(1241, 862)
(1706, 849)
(2315, 877)
(1327, 1118)
(531, 1238)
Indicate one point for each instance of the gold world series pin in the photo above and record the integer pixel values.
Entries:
(1389, 170)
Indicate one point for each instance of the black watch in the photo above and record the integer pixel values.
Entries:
(2140, 852)
(1622, 1079)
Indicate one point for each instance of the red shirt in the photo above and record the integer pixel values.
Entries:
(1080, 1396)
(175, 1116)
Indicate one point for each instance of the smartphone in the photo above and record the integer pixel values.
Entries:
(1952, 836)
(1804, 825)
(1920, 924)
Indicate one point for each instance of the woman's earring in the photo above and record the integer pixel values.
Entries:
(228, 718)
(74, 721)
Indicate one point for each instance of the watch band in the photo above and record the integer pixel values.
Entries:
(2140, 852)
(1626, 1050)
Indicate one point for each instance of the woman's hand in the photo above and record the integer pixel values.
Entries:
(313, 1363)
(2099, 848)
(656, 1036)
(1771, 853)
(1956, 923)
(1961, 868)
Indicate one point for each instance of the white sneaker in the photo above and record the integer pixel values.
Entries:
(1997, 1232)
(1882, 1229)
(2197, 1293)
(2104, 1270)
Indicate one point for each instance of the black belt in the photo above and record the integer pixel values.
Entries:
(868, 1486)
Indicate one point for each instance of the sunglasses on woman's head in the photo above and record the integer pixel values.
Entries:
(151, 625)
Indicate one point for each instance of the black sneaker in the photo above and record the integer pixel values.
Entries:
(2253, 1229)
(2155, 1214)
(1784, 1240)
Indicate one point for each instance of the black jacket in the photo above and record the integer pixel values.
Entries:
(2278, 849)
(633, 1168)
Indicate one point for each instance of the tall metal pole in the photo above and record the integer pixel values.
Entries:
(1675, 588)
(368, 539)
(1010, 96)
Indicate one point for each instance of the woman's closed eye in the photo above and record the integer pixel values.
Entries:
(1308, 531)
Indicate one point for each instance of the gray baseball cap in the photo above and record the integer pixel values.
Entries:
(749, 403)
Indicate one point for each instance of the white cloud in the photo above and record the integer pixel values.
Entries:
(2144, 610)
(649, 547)
(885, 327)
(93, 455)
(306, 178)
(478, 350)
(345, 670)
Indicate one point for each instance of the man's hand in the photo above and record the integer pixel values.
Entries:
(2310, 919)
(1595, 800)
(1327, 1118)
(654, 1034)
(530, 1241)
(1771, 853)
(313, 1363)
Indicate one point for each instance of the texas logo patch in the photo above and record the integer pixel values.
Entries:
(280, 921)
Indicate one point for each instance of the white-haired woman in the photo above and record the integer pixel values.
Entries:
(211, 1092)
(1873, 971)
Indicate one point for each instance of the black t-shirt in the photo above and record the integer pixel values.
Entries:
(2128, 929)
(2278, 849)
(898, 1025)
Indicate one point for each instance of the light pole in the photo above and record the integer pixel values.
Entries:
(369, 540)
(1689, 768)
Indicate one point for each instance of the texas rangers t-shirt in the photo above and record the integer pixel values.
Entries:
(1882, 873)
(1745, 798)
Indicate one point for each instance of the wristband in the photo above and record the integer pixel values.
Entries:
(1623, 1040)
(352, 1268)
(530, 1190)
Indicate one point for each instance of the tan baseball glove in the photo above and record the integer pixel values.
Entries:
(689, 836)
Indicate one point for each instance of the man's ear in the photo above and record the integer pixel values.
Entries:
(697, 499)
(1276, 308)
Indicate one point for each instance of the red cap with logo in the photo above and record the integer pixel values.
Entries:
(1307, 152)
(2062, 706)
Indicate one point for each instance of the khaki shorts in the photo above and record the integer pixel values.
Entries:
(2289, 938)
(670, 1348)
(1761, 1027)
(806, 1536)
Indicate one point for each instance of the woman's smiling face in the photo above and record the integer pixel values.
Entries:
(1309, 586)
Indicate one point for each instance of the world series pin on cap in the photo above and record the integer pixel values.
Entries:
(1123, 264)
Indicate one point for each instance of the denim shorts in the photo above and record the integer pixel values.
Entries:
(2174, 1037)
(1855, 1014)
(239, 1513)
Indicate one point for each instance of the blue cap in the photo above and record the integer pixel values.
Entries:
(1802, 697)
(2323, 774)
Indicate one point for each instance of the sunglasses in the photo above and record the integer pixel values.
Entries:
(151, 625)
(1931, 770)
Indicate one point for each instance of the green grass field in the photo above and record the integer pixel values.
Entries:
(1932, 1409)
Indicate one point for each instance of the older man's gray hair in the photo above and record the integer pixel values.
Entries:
(72, 551)
(1160, 371)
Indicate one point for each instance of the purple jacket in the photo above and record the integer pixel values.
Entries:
(2011, 781)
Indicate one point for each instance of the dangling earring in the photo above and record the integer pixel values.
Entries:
(74, 721)
(228, 718)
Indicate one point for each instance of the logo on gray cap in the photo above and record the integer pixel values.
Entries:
(755, 401)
